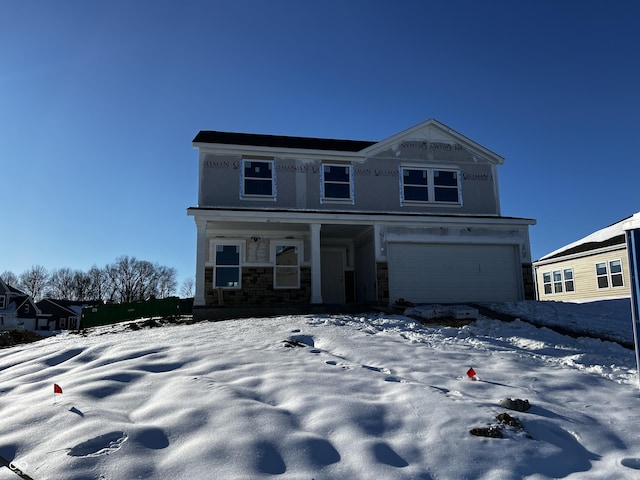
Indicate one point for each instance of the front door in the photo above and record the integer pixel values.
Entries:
(332, 269)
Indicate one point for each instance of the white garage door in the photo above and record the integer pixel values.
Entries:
(453, 273)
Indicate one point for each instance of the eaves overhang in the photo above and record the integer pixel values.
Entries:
(297, 153)
(316, 216)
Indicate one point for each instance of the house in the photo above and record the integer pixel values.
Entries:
(595, 267)
(287, 220)
(61, 314)
(17, 310)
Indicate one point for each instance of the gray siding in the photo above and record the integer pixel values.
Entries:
(376, 185)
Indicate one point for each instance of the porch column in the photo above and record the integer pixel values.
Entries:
(201, 248)
(316, 278)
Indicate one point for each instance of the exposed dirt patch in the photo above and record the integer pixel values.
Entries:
(16, 337)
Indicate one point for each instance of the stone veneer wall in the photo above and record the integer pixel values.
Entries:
(257, 288)
(382, 281)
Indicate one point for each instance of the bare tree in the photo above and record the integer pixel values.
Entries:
(34, 281)
(166, 281)
(188, 287)
(61, 284)
(98, 284)
(10, 278)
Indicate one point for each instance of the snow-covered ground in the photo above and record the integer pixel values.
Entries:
(326, 397)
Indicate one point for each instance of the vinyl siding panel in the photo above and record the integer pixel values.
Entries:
(584, 273)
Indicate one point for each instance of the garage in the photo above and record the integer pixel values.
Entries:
(452, 273)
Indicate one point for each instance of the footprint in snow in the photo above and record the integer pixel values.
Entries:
(100, 445)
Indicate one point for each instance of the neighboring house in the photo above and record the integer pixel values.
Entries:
(295, 220)
(61, 314)
(17, 310)
(595, 267)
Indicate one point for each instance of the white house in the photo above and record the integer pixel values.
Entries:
(301, 221)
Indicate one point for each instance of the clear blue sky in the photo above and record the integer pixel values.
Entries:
(99, 102)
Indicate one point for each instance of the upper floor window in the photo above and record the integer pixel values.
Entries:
(609, 274)
(337, 182)
(286, 271)
(226, 265)
(428, 185)
(258, 178)
(2, 305)
(558, 281)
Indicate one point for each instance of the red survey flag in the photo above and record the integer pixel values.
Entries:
(471, 373)
(57, 388)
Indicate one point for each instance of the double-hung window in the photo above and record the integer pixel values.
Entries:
(429, 185)
(226, 265)
(337, 183)
(258, 179)
(609, 274)
(286, 270)
(2, 306)
(558, 281)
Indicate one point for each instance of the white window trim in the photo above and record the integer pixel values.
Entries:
(274, 186)
(431, 187)
(608, 274)
(563, 281)
(288, 243)
(212, 259)
(323, 198)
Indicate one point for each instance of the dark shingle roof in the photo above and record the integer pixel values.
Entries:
(589, 246)
(280, 141)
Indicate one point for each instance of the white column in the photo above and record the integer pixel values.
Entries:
(316, 278)
(201, 248)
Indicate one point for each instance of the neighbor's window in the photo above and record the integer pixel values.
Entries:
(426, 185)
(569, 286)
(226, 266)
(258, 178)
(2, 302)
(609, 274)
(336, 182)
(286, 271)
(558, 281)
(546, 282)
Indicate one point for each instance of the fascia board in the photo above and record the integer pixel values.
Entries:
(296, 153)
(466, 142)
(574, 256)
(267, 216)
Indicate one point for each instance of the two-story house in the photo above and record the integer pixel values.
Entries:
(295, 220)
(17, 310)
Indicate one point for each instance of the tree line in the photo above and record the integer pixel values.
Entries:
(127, 279)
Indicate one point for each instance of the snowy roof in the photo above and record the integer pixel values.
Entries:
(608, 236)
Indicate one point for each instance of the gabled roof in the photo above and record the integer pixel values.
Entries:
(605, 237)
(434, 131)
(280, 141)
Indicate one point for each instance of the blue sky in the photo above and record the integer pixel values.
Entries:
(99, 102)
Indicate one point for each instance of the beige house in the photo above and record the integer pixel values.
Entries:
(595, 267)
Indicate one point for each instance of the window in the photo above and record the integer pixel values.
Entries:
(569, 286)
(336, 183)
(2, 305)
(286, 271)
(558, 281)
(609, 274)
(546, 281)
(426, 185)
(226, 271)
(258, 179)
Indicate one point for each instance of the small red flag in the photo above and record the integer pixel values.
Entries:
(57, 388)
(471, 373)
